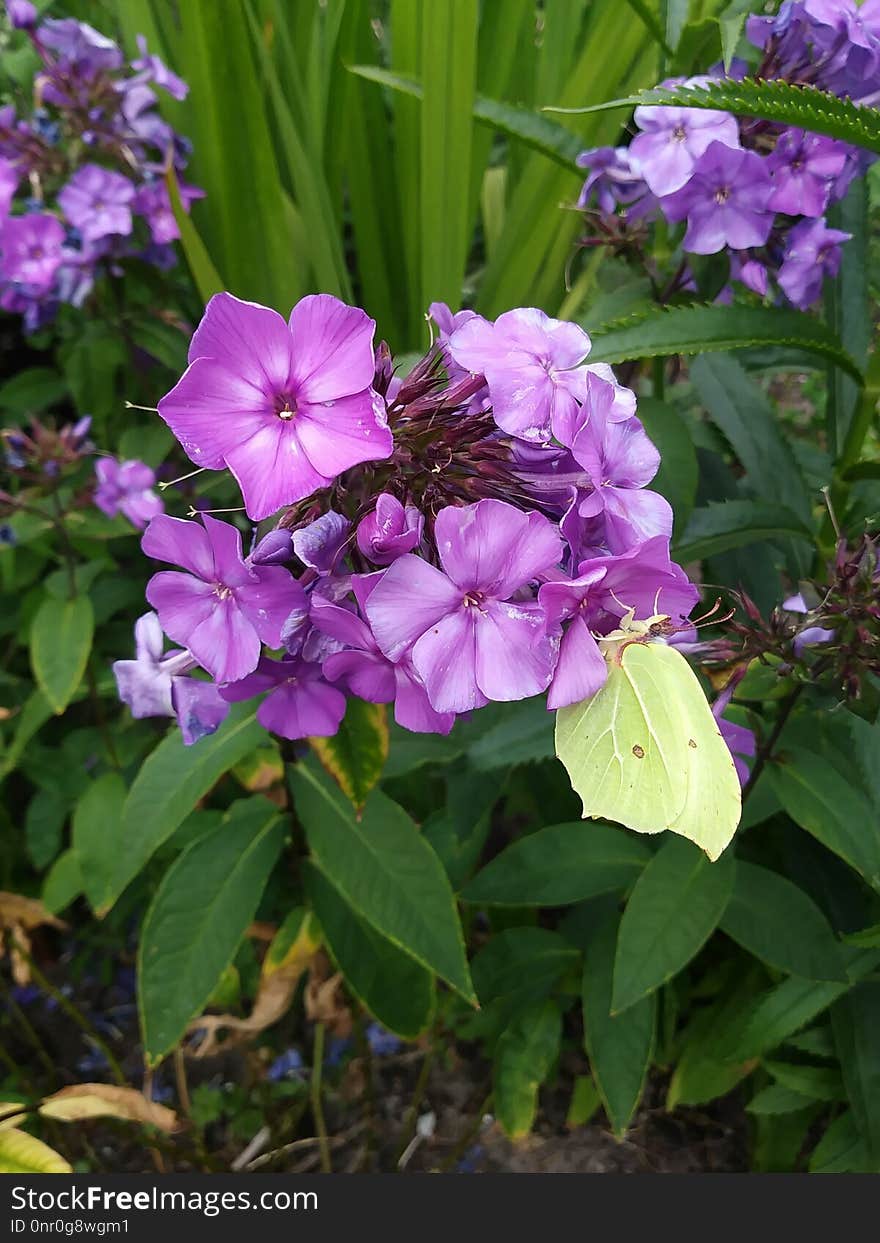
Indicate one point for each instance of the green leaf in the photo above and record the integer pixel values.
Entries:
(672, 911)
(777, 1099)
(386, 871)
(847, 310)
(197, 919)
(97, 822)
(585, 1100)
(560, 864)
(31, 391)
(772, 100)
(356, 754)
(458, 830)
(701, 329)
(391, 985)
(855, 1019)
(776, 921)
(841, 1150)
(531, 128)
(172, 779)
(33, 716)
(521, 966)
(820, 799)
(619, 1046)
(740, 409)
(449, 65)
(21, 1153)
(63, 882)
(524, 732)
(820, 1083)
(525, 1054)
(208, 280)
(775, 1015)
(678, 474)
(651, 22)
(701, 1074)
(734, 524)
(44, 824)
(61, 640)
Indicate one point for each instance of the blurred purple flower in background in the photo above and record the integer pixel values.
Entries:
(127, 488)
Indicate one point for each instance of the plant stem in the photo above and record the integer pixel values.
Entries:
(81, 1021)
(765, 751)
(317, 1106)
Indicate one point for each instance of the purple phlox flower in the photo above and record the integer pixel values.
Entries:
(390, 530)
(153, 203)
(749, 272)
(80, 47)
(447, 322)
(9, 179)
(739, 738)
(155, 684)
(725, 201)
(613, 178)
(320, 544)
(596, 390)
(805, 167)
(22, 14)
(97, 202)
(273, 549)
(529, 361)
(812, 252)
(145, 683)
(620, 460)
(127, 487)
(810, 635)
(360, 665)
(299, 703)
(469, 634)
(199, 707)
(221, 608)
(672, 140)
(644, 580)
(31, 246)
(286, 407)
(157, 71)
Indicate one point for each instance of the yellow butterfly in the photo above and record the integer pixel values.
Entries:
(646, 750)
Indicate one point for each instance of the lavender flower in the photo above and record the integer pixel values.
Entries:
(469, 638)
(390, 530)
(286, 408)
(812, 252)
(529, 362)
(299, 702)
(127, 488)
(673, 139)
(221, 608)
(725, 202)
(97, 202)
(31, 250)
(739, 738)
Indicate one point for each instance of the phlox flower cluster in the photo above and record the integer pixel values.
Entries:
(435, 541)
(755, 191)
(82, 168)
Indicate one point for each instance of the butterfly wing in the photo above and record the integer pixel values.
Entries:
(712, 806)
(622, 749)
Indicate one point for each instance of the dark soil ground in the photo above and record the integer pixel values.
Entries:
(382, 1112)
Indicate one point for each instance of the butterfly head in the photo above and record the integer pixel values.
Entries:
(654, 629)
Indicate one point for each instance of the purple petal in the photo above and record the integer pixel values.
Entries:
(332, 348)
(181, 543)
(514, 654)
(369, 675)
(225, 643)
(345, 431)
(319, 544)
(445, 659)
(410, 599)
(580, 670)
(412, 707)
(199, 708)
(633, 516)
(269, 602)
(303, 707)
(213, 410)
(493, 547)
(273, 469)
(182, 602)
(250, 340)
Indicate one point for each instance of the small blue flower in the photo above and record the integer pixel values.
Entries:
(383, 1043)
(288, 1065)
